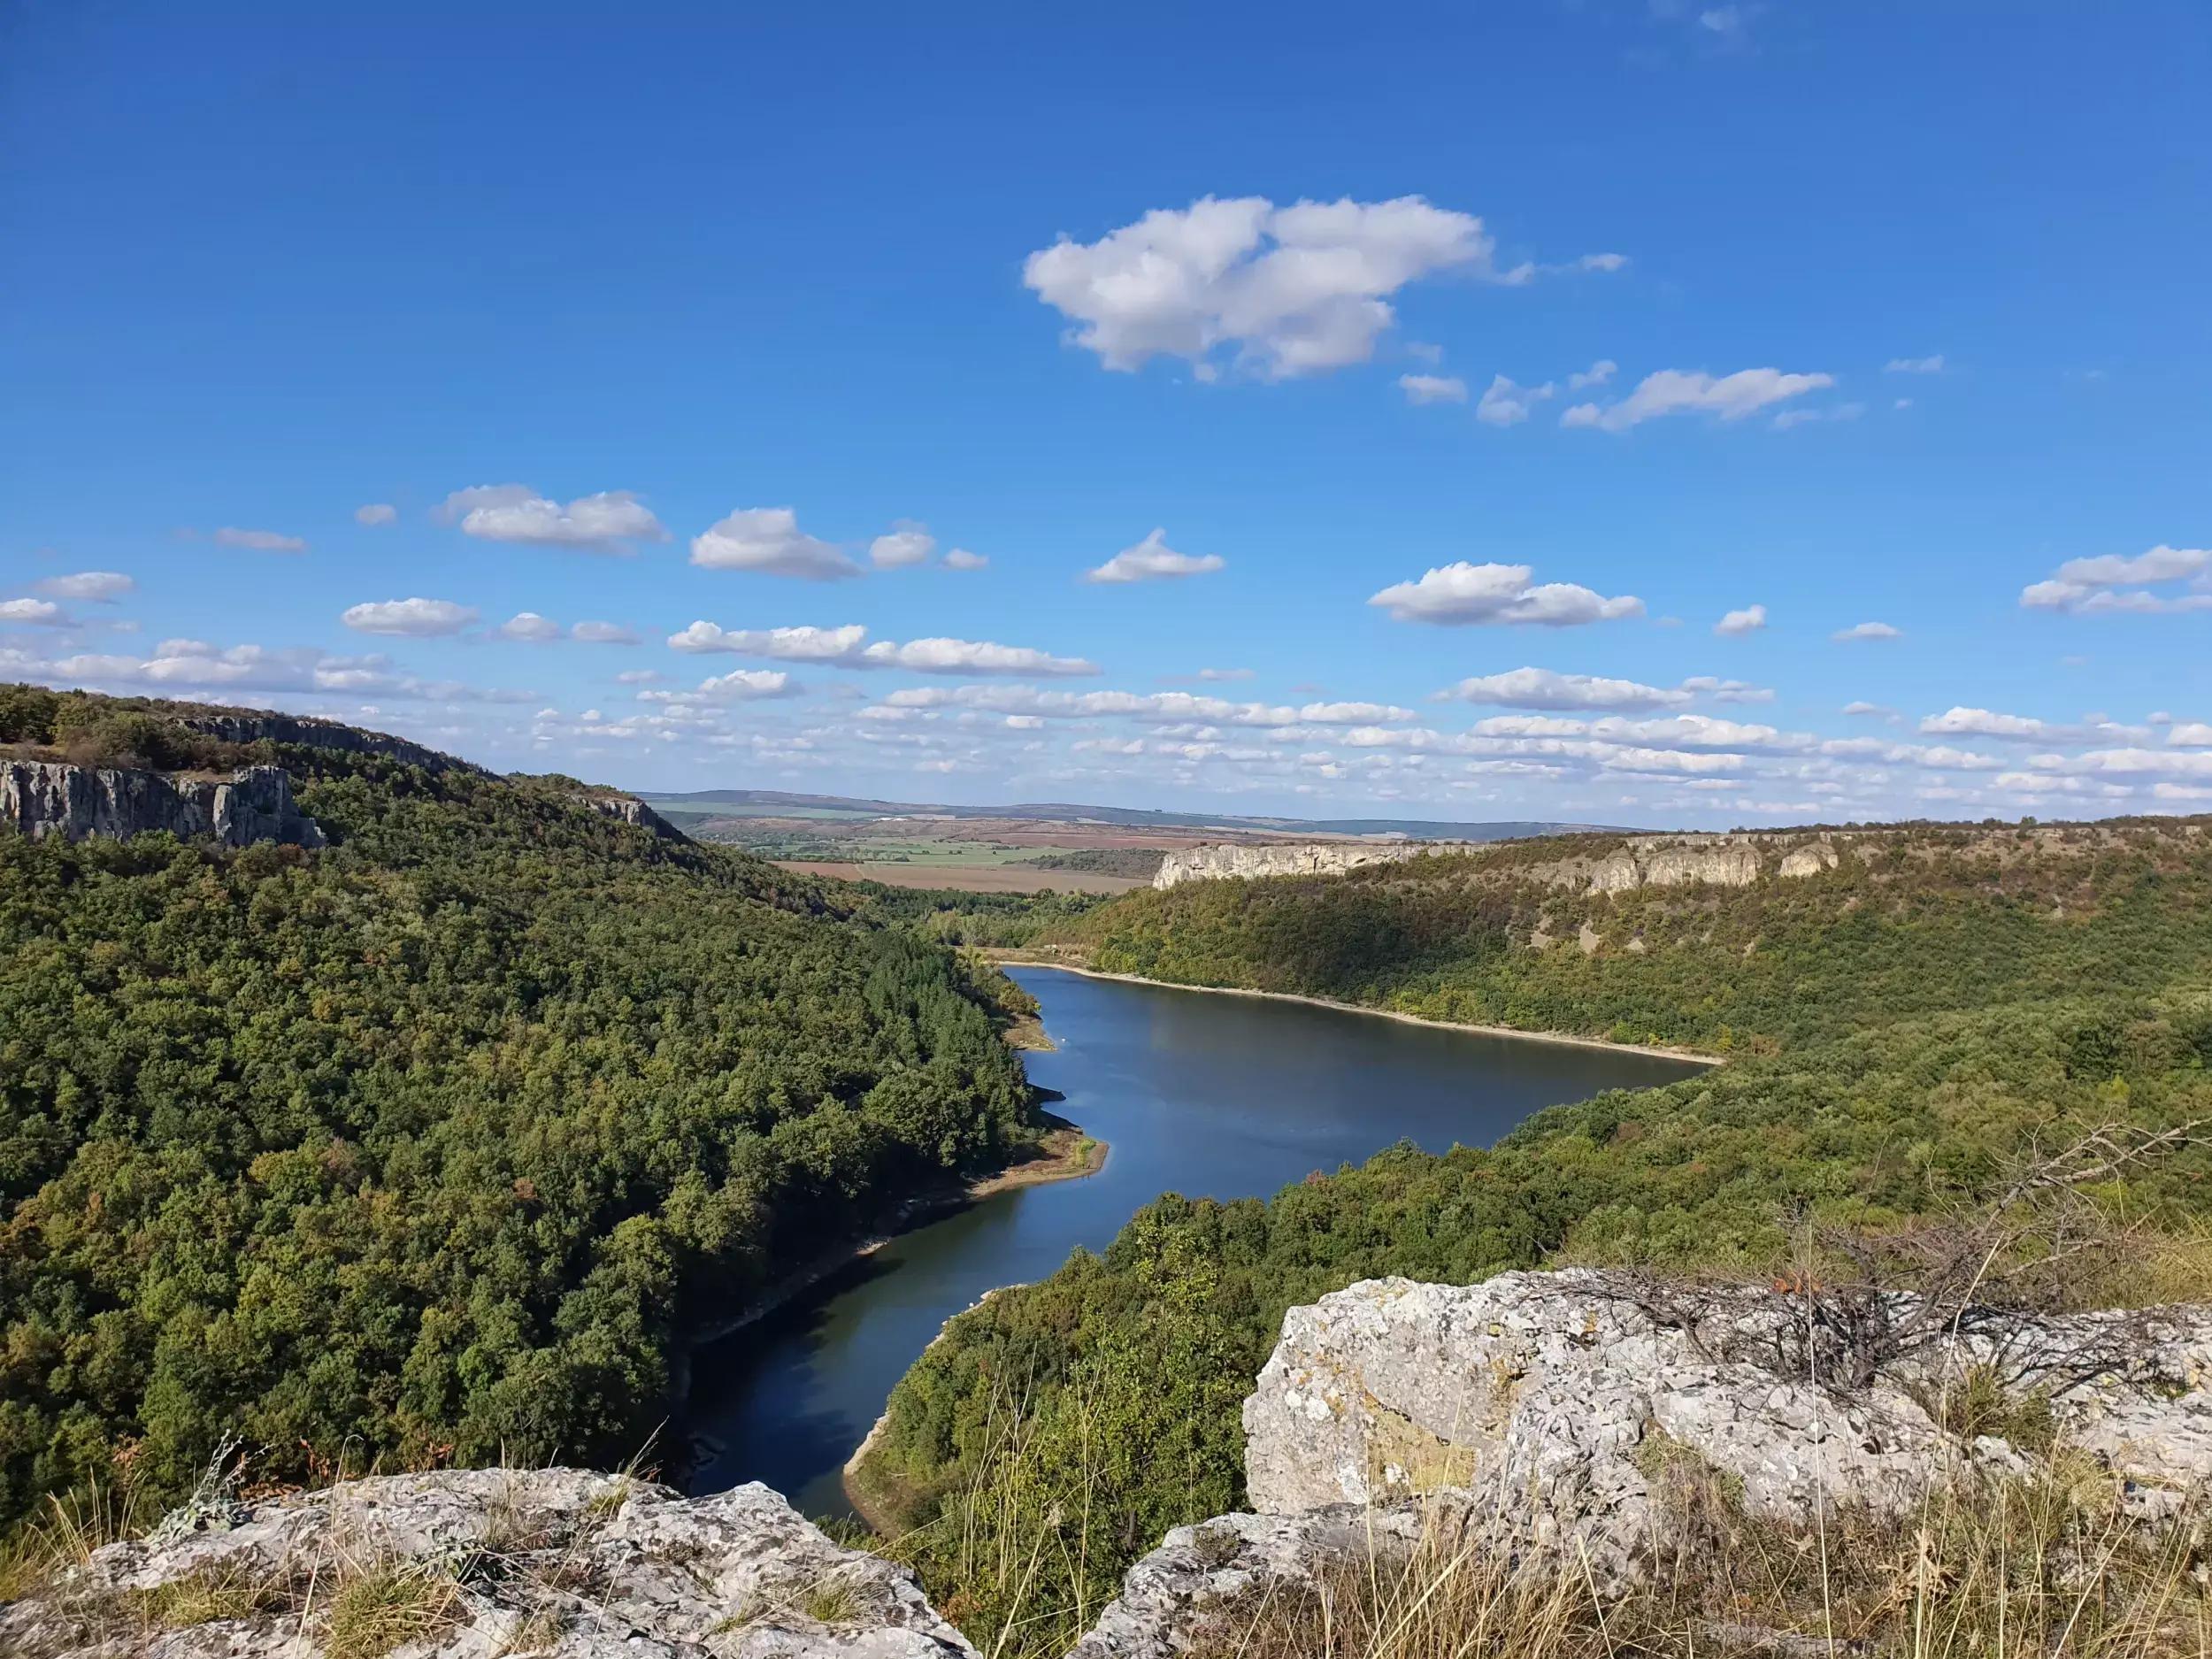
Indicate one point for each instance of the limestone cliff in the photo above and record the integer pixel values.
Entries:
(1231, 860)
(41, 798)
(630, 810)
(261, 726)
(1732, 860)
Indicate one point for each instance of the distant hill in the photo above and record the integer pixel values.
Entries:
(436, 1139)
(774, 802)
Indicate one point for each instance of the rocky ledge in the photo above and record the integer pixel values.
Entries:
(475, 1564)
(42, 797)
(1537, 1420)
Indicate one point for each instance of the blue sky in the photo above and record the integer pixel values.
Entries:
(1621, 317)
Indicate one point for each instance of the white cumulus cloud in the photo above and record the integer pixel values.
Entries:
(1690, 392)
(515, 512)
(528, 624)
(1507, 403)
(376, 513)
(416, 618)
(1750, 619)
(33, 612)
(768, 540)
(1542, 688)
(1462, 595)
(961, 559)
(2114, 584)
(99, 586)
(1867, 631)
(1152, 560)
(846, 647)
(1433, 389)
(1282, 291)
(603, 634)
(906, 543)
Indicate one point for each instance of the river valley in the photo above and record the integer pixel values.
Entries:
(1212, 1097)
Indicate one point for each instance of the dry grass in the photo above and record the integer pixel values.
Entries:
(385, 1605)
(2041, 1568)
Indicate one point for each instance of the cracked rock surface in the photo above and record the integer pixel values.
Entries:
(553, 1561)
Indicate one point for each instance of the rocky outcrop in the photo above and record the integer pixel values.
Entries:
(1731, 860)
(1541, 1419)
(630, 810)
(1551, 1400)
(42, 798)
(1229, 860)
(266, 728)
(488, 1562)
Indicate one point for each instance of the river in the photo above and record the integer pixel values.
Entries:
(1211, 1096)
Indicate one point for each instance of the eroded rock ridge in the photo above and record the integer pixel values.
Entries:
(42, 797)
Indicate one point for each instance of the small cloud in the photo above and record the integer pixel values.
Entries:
(1462, 595)
(1750, 619)
(1433, 389)
(1506, 402)
(961, 559)
(1867, 631)
(97, 586)
(1541, 688)
(259, 540)
(768, 542)
(415, 618)
(639, 677)
(1225, 674)
(1861, 709)
(905, 545)
(515, 512)
(1729, 397)
(376, 513)
(2114, 584)
(602, 634)
(1597, 374)
(1914, 366)
(1152, 560)
(41, 613)
(528, 624)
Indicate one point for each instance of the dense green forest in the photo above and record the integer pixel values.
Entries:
(1900, 1031)
(428, 1146)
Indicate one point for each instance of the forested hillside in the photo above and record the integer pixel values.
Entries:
(1901, 1032)
(428, 1146)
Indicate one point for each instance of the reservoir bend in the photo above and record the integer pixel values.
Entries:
(1209, 1096)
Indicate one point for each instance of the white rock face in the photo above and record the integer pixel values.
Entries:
(1639, 861)
(52, 798)
(553, 1561)
(1808, 860)
(1535, 1418)
(1232, 861)
(1548, 1395)
(630, 810)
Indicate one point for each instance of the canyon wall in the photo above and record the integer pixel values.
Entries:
(1732, 860)
(1231, 860)
(41, 798)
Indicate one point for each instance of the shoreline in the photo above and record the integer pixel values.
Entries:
(849, 1476)
(1059, 1161)
(1651, 1050)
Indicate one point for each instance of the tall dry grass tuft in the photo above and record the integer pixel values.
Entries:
(2045, 1567)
